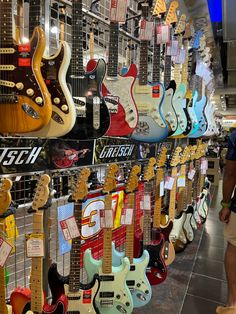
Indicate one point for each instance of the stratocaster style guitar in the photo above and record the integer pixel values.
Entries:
(152, 126)
(25, 103)
(114, 295)
(54, 70)
(5, 202)
(92, 114)
(136, 280)
(117, 90)
(81, 297)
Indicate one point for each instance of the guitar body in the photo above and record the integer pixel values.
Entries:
(192, 113)
(202, 207)
(114, 295)
(54, 70)
(188, 224)
(81, 301)
(168, 108)
(92, 114)
(123, 111)
(179, 103)
(177, 235)
(136, 280)
(202, 122)
(168, 251)
(20, 112)
(151, 126)
(211, 125)
(20, 300)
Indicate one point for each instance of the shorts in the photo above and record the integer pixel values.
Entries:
(230, 229)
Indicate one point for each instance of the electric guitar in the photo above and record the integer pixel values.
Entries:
(152, 126)
(136, 280)
(117, 90)
(25, 103)
(92, 114)
(5, 201)
(81, 297)
(114, 295)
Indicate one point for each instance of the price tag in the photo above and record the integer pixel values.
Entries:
(181, 182)
(204, 165)
(69, 228)
(180, 57)
(147, 201)
(5, 251)
(118, 10)
(35, 245)
(162, 188)
(163, 34)
(169, 182)
(127, 216)
(191, 174)
(146, 30)
(106, 218)
(18, 178)
(174, 48)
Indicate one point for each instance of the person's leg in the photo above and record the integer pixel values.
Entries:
(230, 269)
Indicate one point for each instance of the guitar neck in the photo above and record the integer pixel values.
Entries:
(107, 241)
(156, 64)
(129, 245)
(158, 199)
(143, 63)
(35, 14)
(6, 23)
(167, 71)
(36, 280)
(173, 195)
(181, 192)
(147, 216)
(112, 66)
(189, 187)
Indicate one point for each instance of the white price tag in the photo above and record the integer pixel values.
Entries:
(118, 10)
(204, 164)
(181, 182)
(162, 188)
(146, 30)
(147, 201)
(35, 245)
(180, 57)
(191, 174)
(127, 216)
(163, 34)
(106, 218)
(169, 182)
(5, 251)
(69, 228)
(141, 204)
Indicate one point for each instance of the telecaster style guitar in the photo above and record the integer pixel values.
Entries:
(114, 296)
(25, 103)
(117, 90)
(81, 297)
(5, 201)
(54, 70)
(152, 126)
(92, 114)
(136, 280)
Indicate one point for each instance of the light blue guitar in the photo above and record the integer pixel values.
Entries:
(192, 113)
(137, 280)
(114, 296)
(179, 102)
(202, 122)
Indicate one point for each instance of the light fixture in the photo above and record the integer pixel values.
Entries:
(25, 40)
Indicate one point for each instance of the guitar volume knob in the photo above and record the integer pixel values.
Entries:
(56, 100)
(64, 107)
(30, 92)
(39, 100)
(118, 296)
(19, 86)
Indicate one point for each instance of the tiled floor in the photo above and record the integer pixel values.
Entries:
(196, 281)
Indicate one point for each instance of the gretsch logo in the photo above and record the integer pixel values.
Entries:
(113, 151)
(19, 155)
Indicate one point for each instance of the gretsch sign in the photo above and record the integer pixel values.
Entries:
(19, 155)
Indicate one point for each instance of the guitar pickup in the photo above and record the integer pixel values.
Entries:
(106, 303)
(130, 282)
(106, 294)
(107, 278)
(112, 103)
(132, 268)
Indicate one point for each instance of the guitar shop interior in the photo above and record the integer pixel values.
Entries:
(117, 156)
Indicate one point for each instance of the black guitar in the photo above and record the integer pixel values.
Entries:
(92, 114)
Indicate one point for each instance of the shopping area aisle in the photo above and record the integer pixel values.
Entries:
(196, 282)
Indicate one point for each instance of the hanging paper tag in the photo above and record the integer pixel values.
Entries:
(162, 188)
(69, 228)
(169, 182)
(146, 30)
(204, 166)
(17, 178)
(118, 10)
(147, 201)
(181, 182)
(5, 251)
(163, 34)
(180, 57)
(106, 218)
(191, 174)
(172, 48)
(35, 245)
(127, 216)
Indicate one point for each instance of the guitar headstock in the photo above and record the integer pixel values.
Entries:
(185, 156)
(132, 182)
(145, 10)
(149, 170)
(175, 159)
(161, 158)
(159, 7)
(80, 190)
(171, 17)
(181, 25)
(110, 181)
(5, 195)
(41, 193)
(188, 31)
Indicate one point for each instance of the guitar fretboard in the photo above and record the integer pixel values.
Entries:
(158, 199)
(173, 195)
(156, 57)
(129, 244)
(147, 216)
(113, 50)
(35, 14)
(143, 63)
(6, 24)
(107, 241)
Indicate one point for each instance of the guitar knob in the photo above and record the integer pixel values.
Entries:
(56, 100)
(147, 291)
(30, 92)
(118, 296)
(39, 100)
(138, 285)
(64, 107)
(127, 304)
(19, 86)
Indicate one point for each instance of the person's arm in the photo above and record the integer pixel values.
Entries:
(229, 180)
